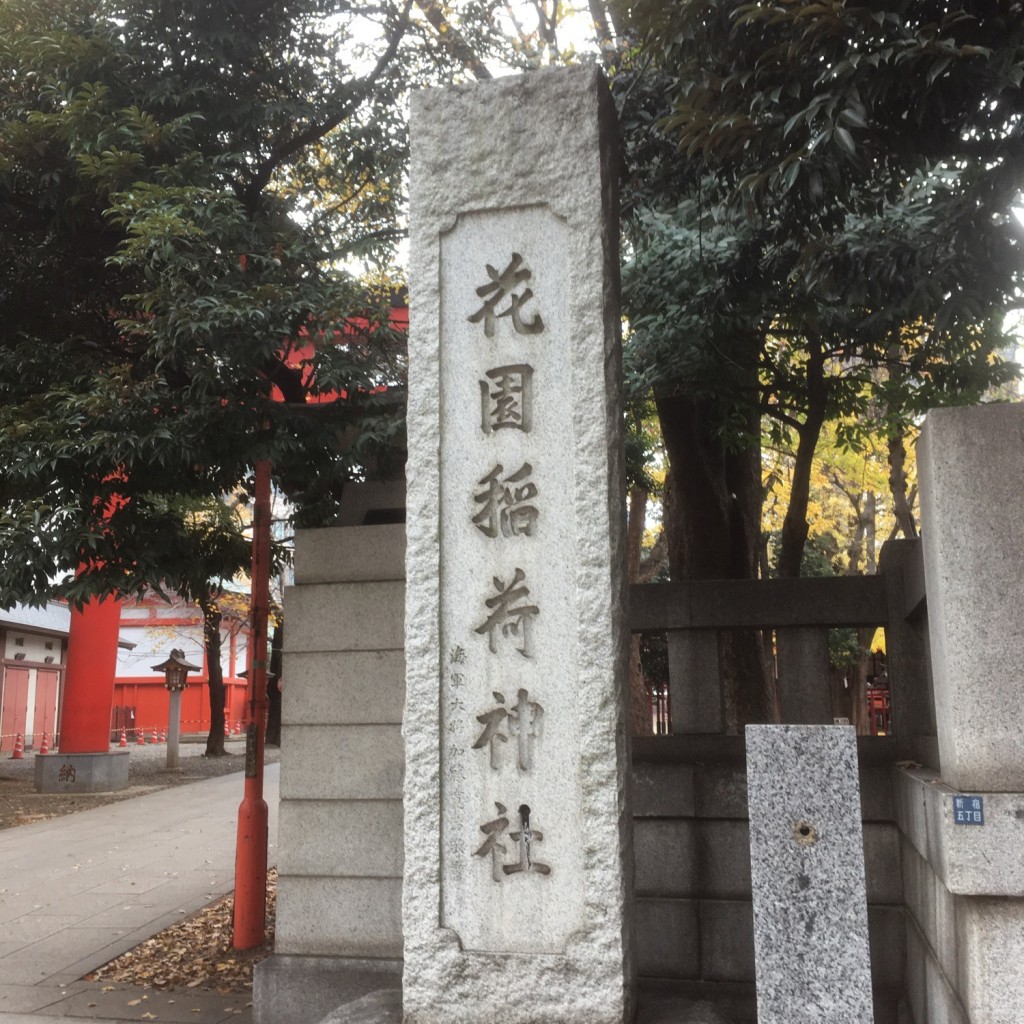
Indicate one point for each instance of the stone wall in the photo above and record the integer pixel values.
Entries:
(340, 851)
(965, 904)
(694, 919)
(962, 826)
(340, 862)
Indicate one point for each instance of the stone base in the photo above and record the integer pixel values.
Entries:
(304, 989)
(385, 1007)
(381, 1007)
(82, 773)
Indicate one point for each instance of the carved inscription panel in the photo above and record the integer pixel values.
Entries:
(511, 819)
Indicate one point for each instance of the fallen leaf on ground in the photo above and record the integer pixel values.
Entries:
(196, 953)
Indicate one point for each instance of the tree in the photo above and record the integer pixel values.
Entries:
(156, 260)
(212, 546)
(814, 239)
(860, 276)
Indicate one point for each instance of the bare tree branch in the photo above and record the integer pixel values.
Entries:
(453, 40)
(347, 106)
(602, 30)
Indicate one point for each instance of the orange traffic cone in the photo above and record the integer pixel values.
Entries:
(238, 727)
(123, 741)
(19, 750)
(227, 728)
(141, 734)
(163, 735)
(44, 747)
(154, 738)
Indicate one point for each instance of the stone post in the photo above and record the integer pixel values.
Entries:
(807, 870)
(970, 465)
(804, 690)
(695, 688)
(906, 645)
(515, 900)
(173, 729)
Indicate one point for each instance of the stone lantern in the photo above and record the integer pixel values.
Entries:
(175, 670)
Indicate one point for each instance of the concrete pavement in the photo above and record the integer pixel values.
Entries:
(79, 890)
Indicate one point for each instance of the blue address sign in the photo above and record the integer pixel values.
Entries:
(969, 810)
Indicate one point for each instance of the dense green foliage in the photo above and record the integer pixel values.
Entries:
(817, 199)
(179, 183)
(835, 241)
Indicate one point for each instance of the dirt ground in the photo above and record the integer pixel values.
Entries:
(195, 953)
(20, 804)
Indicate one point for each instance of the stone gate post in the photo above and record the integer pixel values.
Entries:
(515, 905)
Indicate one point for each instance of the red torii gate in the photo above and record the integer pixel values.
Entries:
(89, 677)
(94, 629)
(94, 634)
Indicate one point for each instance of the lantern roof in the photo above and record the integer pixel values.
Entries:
(177, 660)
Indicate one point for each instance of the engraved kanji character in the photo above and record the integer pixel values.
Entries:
(504, 507)
(506, 398)
(457, 656)
(524, 722)
(510, 618)
(525, 838)
(503, 286)
(492, 721)
(491, 845)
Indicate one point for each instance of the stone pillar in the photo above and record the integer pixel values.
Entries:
(970, 465)
(906, 645)
(807, 871)
(89, 677)
(515, 905)
(695, 688)
(173, 728)
(85, 763)
(805, 692)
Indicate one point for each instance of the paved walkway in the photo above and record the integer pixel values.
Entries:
(79, 890)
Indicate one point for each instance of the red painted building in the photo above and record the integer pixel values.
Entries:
(33, 663)
(153, 628)
(33, 644)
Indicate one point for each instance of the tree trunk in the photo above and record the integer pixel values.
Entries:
(902, 503)
(794, 526)
(273, 736)
(870, 519)
(714, 496)
(212, 638)
(639, 701)
(712, 517)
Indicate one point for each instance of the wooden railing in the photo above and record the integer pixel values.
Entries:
(792, 618)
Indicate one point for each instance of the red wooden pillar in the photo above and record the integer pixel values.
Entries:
(89, 677)
(250, 912)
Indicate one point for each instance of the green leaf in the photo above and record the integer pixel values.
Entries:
(845, 139)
